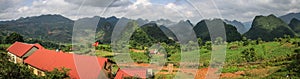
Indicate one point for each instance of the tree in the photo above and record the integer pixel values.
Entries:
(1, 39)
(208, 45)
(294, 67)
(219, 41)
(199, 41)
(9, 70)
(246, 41)
(13, 37)
(249, 55)
(259, 41)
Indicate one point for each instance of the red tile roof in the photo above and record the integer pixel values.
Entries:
(131, 72)
(47, 60)
(19, 49)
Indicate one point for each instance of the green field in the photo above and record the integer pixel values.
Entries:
(263, 60)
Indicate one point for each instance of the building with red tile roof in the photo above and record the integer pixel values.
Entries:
(45, 60)
(20, 51)
(41, 60)
(133, 72)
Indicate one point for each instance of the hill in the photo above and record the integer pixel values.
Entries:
(295, 25)
(201, 30)
(241, 28)
(45, 27)
(288, 17)
(268, 27)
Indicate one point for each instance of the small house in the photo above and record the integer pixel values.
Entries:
(20, 51)
(133, 73)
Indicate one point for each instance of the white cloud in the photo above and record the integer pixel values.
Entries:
(243, 10)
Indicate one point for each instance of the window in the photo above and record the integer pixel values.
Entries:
(11, 57)
(39, 73)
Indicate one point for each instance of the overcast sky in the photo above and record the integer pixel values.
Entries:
(175, 10)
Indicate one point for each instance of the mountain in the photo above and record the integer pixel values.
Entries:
(154, 31)
(44, 27)
(238, 25)
(201, 30)
(295, 25)
(168, 32)
(268, 27)
(105, 28)
(288, 17)
(247, 25)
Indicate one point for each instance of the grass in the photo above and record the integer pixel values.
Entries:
(104, 53)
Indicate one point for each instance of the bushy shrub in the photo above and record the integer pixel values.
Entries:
(249, 55)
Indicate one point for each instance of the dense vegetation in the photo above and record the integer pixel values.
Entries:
(268, 27)
(46, 27)
(202, 31)
(295, 25)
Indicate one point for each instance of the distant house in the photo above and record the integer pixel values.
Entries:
(154, 51)
(129, 73)
(20, 51)
(44, 60)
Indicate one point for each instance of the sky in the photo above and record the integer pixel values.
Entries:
(175, 10)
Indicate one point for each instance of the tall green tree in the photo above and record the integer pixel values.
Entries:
(9, 70)
(13, 37)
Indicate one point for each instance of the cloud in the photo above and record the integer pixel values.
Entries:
(7, 4)
(195, 10)
(100, 3)
(246, 10)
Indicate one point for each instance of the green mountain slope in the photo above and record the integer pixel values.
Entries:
(45, 27)
(268, 28)
(201, 30)
(295, 25)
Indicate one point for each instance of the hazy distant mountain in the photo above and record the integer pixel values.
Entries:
(247, 25)
(268, 28)
(295, 25)
(288, 17)
(238, 25)
(164, 22)
(201, 30)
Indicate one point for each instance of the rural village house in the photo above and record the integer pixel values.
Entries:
(143, 73)
(41, 60)
(20, 51)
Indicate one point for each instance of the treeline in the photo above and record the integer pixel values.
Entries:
(13, 37)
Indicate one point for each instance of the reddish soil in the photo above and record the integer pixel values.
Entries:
(232, 75)
(201, 73)
(204, 74)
